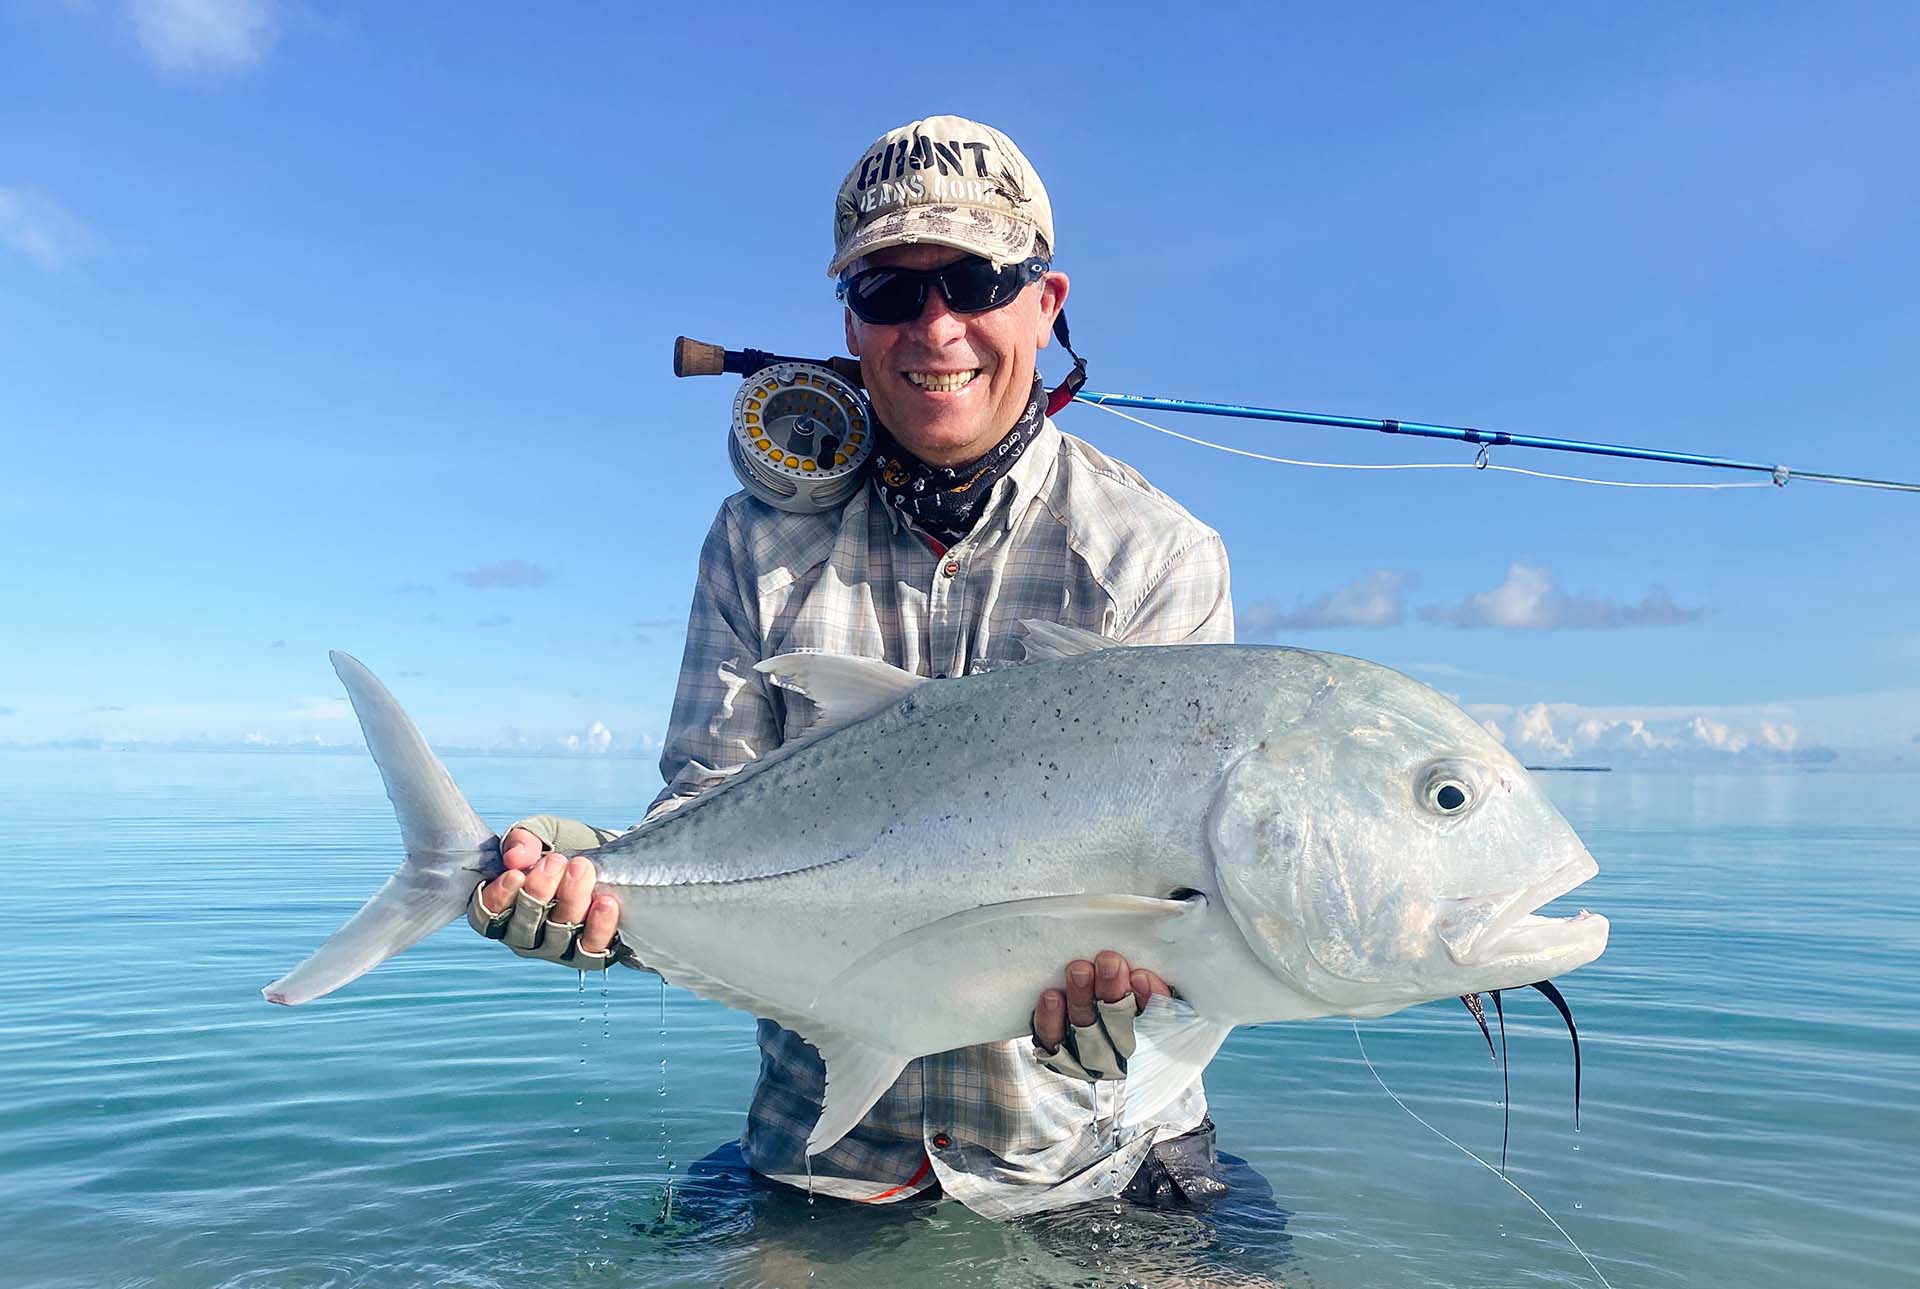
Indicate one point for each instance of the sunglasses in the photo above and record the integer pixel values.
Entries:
(886, 297)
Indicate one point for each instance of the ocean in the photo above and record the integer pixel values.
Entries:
(461, 1117)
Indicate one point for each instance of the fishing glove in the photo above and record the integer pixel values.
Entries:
(1097, 1051)
(525, 926)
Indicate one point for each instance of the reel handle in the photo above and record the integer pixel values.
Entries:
(698, 358)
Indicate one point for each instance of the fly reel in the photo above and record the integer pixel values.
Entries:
(801, 431)
(801, 437)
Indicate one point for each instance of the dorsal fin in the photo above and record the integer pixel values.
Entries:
(843, 689)
(1045, 641)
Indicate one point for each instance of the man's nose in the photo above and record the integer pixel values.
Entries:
(938, 323)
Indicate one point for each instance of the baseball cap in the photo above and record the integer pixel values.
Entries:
(944, 180)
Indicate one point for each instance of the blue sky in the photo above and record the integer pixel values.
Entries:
(347, 326)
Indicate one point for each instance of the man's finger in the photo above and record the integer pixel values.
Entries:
(1080, 992)
(1110, 972)
(544, 877)
(603, 919)
(1146, 984)
(575, 891)
(497, 896)
(520, 849)
(1050, 1020)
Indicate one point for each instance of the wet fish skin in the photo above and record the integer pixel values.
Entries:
(907, 880)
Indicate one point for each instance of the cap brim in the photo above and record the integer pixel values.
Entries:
(991, 234)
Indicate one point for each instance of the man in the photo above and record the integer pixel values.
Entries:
(979, 513)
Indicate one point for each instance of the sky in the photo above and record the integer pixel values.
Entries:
(347, 326)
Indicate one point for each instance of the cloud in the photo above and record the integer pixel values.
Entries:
(277, 644)
(205, 35)
(1564, 733)
(6, 711)
(508, 574)
(1527, 601)
(1370, 601)
(107, 707)
(597, 739)
(643, 628)
(39, 228)
(495, 620)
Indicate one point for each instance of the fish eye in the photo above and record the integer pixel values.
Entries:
(1447, 790)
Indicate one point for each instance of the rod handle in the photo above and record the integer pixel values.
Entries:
(697, 358)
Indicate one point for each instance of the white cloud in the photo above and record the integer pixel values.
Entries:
(597, 739)
(1561, 733)
(41, 229)
(512, 574)
(1527, 601)
(205, 35)
(1370, 601)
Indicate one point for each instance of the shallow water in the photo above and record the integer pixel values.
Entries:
(1752, 1108)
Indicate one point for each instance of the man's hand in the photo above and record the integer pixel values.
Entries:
(567, 882)
(1088, 1004)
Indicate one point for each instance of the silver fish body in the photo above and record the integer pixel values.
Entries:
(1282, 833)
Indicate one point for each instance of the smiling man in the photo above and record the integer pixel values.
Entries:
(979, 513)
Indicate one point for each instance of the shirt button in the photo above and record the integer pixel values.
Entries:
(941, 1141)
(952, 567)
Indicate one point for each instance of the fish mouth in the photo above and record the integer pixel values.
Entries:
(1490, 928)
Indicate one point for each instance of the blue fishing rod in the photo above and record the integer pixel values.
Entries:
(790, 407)
(1485, 439)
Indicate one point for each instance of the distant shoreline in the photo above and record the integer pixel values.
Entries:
(1575, 769)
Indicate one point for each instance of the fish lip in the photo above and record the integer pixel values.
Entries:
(1474, 932)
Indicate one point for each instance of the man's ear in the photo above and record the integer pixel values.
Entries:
(1053, 298)
(853, 337)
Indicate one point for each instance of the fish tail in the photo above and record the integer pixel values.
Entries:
(449, 850)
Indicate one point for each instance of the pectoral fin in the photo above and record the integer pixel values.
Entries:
(1079, 922)
(1172, 1045)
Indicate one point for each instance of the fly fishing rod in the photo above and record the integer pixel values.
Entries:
(693, 358)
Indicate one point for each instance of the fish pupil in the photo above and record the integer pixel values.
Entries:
(1450, 797)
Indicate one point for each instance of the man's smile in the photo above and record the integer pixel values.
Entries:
(942, 382)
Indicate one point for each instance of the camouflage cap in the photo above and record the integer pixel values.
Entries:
(944, 180)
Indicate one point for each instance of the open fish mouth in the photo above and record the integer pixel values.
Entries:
(1489, 928)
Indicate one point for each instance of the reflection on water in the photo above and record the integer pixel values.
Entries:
(460, 1116)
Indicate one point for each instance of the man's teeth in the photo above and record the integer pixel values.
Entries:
(943, 382)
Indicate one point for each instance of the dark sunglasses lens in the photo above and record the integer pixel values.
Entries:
(882, 297)
(974, 286)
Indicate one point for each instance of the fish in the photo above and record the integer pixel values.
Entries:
(1281, 833)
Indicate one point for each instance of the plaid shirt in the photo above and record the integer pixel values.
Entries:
(1068, 536)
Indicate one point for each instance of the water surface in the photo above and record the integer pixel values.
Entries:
(1752, 1112)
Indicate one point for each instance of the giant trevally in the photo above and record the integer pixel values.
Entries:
(1281, 833)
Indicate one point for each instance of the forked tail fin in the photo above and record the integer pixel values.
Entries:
(448, 850)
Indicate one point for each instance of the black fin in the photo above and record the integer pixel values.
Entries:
(1506, 1088)
(1480, 1014)
(1566, 1014)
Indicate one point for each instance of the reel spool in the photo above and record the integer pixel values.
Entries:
(801, 433)
(801, 437)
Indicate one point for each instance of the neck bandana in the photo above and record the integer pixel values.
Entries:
(946, 501)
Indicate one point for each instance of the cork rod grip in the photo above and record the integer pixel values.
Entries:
(697, 358)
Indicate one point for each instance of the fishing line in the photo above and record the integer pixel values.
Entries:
(1480, 463)
(1476, 1159)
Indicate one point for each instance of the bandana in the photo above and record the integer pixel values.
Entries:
(946, 501)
